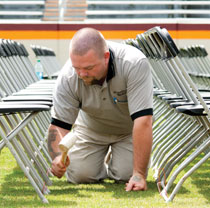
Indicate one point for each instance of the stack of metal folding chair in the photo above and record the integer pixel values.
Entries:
(181, 129)
(48, 59)
(196, 61)
(16, 136)
(24, 115)
(18, 72)
(18, 79)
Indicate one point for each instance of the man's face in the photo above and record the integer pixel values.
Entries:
(90, 68)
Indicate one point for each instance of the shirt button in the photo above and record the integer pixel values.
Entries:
(104, 98)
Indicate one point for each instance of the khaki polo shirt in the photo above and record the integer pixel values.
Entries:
(125, 95)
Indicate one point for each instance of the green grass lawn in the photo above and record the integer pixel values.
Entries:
(16, 191)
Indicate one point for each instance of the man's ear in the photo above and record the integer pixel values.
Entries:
(106, 56)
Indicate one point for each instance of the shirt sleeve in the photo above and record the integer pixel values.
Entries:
(140, 89)
(65, 101)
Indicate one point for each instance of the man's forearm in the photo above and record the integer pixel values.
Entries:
(55, 134)
(142, 144)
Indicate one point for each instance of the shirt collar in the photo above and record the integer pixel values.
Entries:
(111, 67)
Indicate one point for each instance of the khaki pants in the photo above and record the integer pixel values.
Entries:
(88, 154)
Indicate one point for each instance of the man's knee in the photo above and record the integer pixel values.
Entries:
(124, 175)
(121, 173)
(85, 174)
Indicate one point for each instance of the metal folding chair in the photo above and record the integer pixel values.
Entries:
(48, 59)
(198, 138)
(15, 79)
(196, 61)
(14, 135)
(185, 126)
(22, 132)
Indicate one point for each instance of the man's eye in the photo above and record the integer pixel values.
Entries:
(86, 68)
(89, 68)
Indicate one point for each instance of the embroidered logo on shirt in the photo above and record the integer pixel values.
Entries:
(120, 93)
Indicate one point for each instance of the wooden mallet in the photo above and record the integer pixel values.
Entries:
(67, 143)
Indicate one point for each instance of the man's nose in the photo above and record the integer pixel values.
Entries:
(83, 73)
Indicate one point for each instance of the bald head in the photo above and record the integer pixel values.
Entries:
(86, 39)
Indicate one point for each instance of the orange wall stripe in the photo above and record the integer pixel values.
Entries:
(108, 34)
(199, 34)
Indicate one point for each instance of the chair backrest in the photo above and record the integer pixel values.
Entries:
(168, 50)
(48, 59)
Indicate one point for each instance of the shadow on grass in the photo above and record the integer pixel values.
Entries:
(108, 186)
(201, 178)
(16, 191)
(10, 203)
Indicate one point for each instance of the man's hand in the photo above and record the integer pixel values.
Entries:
(136, 183)
(58, 167)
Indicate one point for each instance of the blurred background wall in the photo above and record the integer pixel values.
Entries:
(52, 23)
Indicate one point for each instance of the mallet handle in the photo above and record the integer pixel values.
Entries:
(63, 158)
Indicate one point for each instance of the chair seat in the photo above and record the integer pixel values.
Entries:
(192, 110)
(8, 109)
(27, 98)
